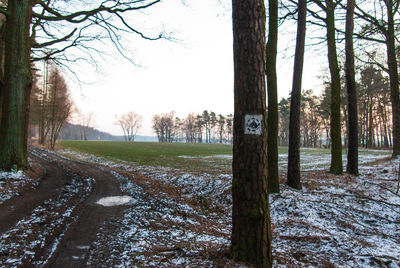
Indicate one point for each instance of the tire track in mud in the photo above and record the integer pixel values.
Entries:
(73, 249)
(14, 209)
(69, 241)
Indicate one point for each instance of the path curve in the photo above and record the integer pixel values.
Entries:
(75, 245)
(68, 248)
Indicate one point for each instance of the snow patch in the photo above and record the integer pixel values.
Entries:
(115, 200)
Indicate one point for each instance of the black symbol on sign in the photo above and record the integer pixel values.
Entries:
(253, 125)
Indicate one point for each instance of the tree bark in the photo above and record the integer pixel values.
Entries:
(272, 89)
(293, 179)
(2, 33)
(251, 229)
(336, 149)
(370, 142)
(17, 86)
(394, 78)
(352, 152)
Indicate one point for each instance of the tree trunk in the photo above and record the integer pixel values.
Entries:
(272, 89)
(394, 78)
(336, 149)
(251, 226)
(352, 130)
(17, 87)
(2, 33)
(293, 179)
(43, 126)
(384, 117)
(370, 126)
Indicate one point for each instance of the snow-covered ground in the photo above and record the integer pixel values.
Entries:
(342, 221)
(177, 218)
(23, 244)
(11, 182)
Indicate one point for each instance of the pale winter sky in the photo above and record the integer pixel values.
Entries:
(190, 75)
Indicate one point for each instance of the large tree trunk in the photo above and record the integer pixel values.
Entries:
(2, 33)
(251, 229)
(293, 179)
(336, 149)
(17, 87)
(272, 89)
(394, 78)
(352, 129)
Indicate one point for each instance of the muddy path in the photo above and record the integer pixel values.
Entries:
(51, 179)
(77, 242)
(67, 244)
(168, 222)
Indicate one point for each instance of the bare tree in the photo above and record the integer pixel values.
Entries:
(60, 105)
(189, 128)
(164, 126)
(42, 100)
(130, 123)
(85, 121)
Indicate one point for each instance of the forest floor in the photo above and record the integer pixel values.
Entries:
(55, 215)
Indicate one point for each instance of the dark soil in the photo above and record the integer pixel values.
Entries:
(54, 174)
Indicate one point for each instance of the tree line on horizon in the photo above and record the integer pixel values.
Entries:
(207, 127)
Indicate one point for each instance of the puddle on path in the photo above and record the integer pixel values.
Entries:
(114, 200)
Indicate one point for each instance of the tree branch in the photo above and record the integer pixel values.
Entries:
(81, 16)
(369, 18)
(65, 38)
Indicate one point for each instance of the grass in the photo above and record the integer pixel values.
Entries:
(193, 157)
(174, 155)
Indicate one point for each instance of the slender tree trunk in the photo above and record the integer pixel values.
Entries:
(251, 226)
(345, 124)
(394, 78)
(352, 130)
(17, 87)
(365, 125)
(384, 117)
(272, 89)
(43, 102)
(370, 126)
(336, 149)
(293, 179)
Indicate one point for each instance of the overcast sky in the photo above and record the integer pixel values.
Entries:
(190, 75)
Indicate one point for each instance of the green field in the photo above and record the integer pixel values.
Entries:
(174, 155)
(200, 157)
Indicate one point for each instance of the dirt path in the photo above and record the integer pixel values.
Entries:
(53, 178)
(77, 242)
(59, 224)
(69, 244)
